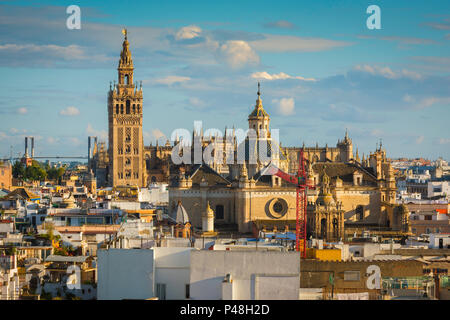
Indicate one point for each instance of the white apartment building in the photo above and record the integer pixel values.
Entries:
(248, 275)
(438, 188)
(160, 272)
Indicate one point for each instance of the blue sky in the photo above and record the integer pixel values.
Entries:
(322, 71)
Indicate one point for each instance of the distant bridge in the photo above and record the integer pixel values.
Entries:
(49, 157)
(31, 155)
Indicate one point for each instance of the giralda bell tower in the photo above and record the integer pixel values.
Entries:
(126, 144)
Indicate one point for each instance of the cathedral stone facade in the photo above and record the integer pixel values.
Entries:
(351, 194)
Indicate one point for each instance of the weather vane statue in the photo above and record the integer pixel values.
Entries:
(125, 33)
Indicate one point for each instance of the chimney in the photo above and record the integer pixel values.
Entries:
(32, 147)
(26, 147)
(89, 151)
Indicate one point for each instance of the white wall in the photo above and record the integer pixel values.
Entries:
(443, 185)
(345, 250)
(156, 193)
(276, 287)
(125, 205)
(254, 274)
(172, 267)
(434, 240)
(6, 227)
(134, 273)
(125, 274)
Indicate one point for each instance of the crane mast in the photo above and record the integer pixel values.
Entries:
(302, 186)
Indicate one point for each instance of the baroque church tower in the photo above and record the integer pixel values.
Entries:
(126, 143)
(264, 148)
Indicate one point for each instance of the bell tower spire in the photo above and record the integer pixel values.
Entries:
(125, 69)
(259, 120)
(126, 144)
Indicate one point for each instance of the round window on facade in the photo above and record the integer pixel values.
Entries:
(277, 208)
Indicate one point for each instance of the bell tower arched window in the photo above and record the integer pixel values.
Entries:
(128, 107)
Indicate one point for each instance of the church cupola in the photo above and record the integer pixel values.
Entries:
(259, 120)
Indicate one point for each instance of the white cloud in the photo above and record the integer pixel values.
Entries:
(430, 101)
(408, 98)
(237, 54)
(282, 24)
(155, 134)
(411, 74)
(388, 72)
(101, 134)
(170, 80)
(286, 106)
(22, 110)
(280, 76)
(189, 32)
(426, 102)
(280, 43)
(400, 40)
(158, 134)
(196, 102)
(71, 52)
(69, 111)
(376, 133)
(75, 141)
(52, 140)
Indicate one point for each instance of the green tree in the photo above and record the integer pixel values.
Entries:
(61, 171)
(55, 173)
(18, 170)
(35, 172)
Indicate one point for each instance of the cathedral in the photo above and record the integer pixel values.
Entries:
(352, 194)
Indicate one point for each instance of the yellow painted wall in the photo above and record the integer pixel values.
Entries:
(323, 254)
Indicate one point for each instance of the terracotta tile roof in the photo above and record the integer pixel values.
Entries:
(21, 193)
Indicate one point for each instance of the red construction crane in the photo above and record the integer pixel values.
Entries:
(302, 186)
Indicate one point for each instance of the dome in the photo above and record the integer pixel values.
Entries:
(69, 202)
(325, 200)
(258, 111)
(180, 214)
